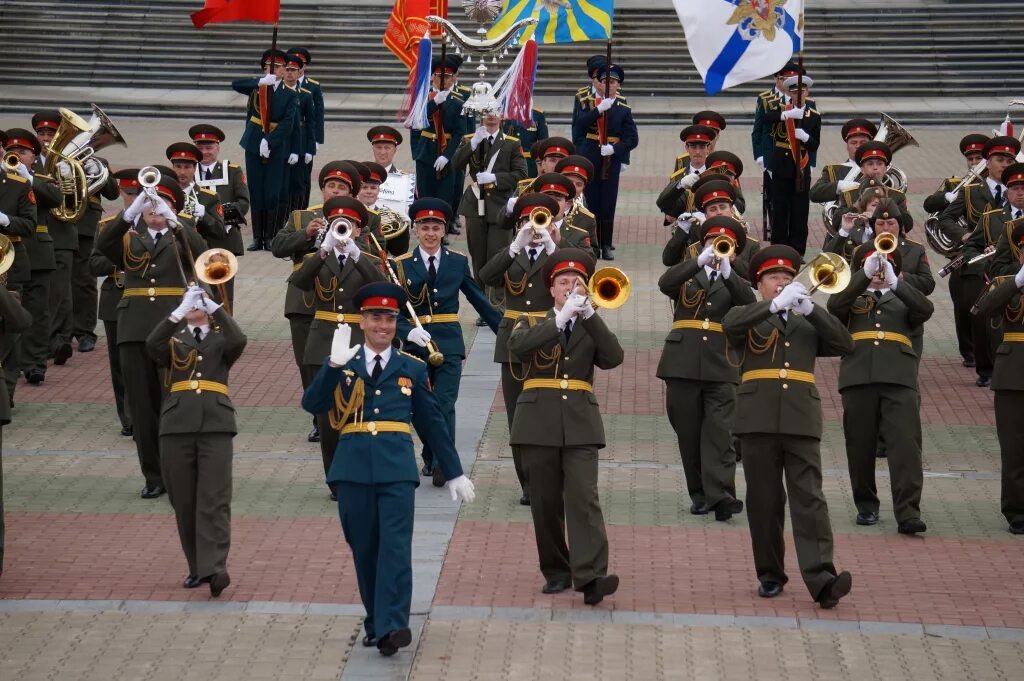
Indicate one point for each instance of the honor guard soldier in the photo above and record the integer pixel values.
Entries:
(706, 119)
(878, 383)
(527, 136)
(778, 421)
(432, 277)
(558, 428)
(381, 391)
(959, 222)
(519, 270)
(317, 122)
(14, 319)
(267, 143)
(700, 382)
(332, 274)
(228, 180)
(300, 172)
(203, 205)
(1003, 299)
(148, 240)
(761, 139)
(595, 88)
(607, 132)
(196, 345)
(832, 184)
(392, 227)
(1006, 258)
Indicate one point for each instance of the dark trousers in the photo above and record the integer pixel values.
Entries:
(602, 198)
(983, 337)
(116, 376)
(427, 184)
(891, 414)
(511, 387)
(701, 414)
(266, 180)
(767, 460)
(197, 472)
(444, 381)
(484, 240)
(299, 327)
(35, 342)
(142, 383)
(564, 499)
(3, 529)
(62, 314)
(377, 522)
(962, 317)
(789, 211)
(84, 294)
(328, 435)
(309, 183)
(1010, 430)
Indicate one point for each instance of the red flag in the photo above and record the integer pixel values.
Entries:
(224, 11)
(408, 24)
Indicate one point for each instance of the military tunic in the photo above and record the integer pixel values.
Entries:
(84, 294)
(292, 242)
(445, 127)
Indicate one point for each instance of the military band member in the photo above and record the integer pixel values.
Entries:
(196, 346)
(547, 153)
(148, 240)
(383, 391)
(228, 180)
(572, 222)
(299, 172)
(700, 382)
(396, 237)
(1006, 259)
(580, 171)
(202, 204)
(1004, 299)
(433, 148)
(616, 120)
(527, 135)
(332, 274)
(674, 197)
(266, 154)
(316, 129)
(17, 216)
(778, 421)
(373, 219)
(878, 382)
(677, 197)
(707, 119)
(14, 319)
(832, 184)
(432, 277)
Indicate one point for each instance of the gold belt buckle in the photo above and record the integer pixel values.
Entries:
(706, 325)
(783, 373)
(151, 291)
(425, 319)
(563, 384)
(881, 335)
(371, 427)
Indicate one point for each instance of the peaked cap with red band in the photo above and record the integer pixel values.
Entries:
(859, 126)
(1008, 146)
(279, 57)
(710, 119)
(568, 260)
(343, 171)
(384, 133)
(723, 225)
(46, 120)
(556, 183)
(184, 151)
(873, 149)
(698, 133)
(773, 258)
(380, 296)
(430, 208)
(204, 132)
(527, 202)
(345, 207)
(552, 146)
(128, 179)
(376, 173)
(576, 165)
(727, 159)
(303, 53)
(713, 190)
(973, 142)
(20, 138)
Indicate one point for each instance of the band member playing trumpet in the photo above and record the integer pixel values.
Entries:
(712, 197)
(878, 381)
(151, 240)
(332, 274)
(700, 383)
(778, 421)
(432, 277)
(558, 428)
(196, 346)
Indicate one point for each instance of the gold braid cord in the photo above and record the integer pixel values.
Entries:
(759, 344)
(1014, 312)
(343, 409)
(132, 262)
(516, 288)
(693, 302)
(511, 360)
(863, 305)
(186, 363)
(326, 293)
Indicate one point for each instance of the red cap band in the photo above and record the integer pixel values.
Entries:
(47, 125)
(430, 213)
(20, 142)
(380, 303)
(710, 123)
(183, 156)
(384, 137)
(698, 137)
(128, 183)
(776, 264)
(1002, 149)
(716, 195)
(874, 153)
(1015, 178)
(578, 170)
(567, 266)
(375, 176)
(857, 131)
(205, 136)
(338, 175)
(346, 212)
(167, 194)
(556, 151)
(974, 146)
(719, 163)
(718, 231)
(561, 189)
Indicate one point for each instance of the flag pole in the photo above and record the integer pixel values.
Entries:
(799, 175)
(606, 160)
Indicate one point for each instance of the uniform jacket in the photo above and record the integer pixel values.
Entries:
(576, 232)
(672, 201)
(211, 226)
(761, 141)
(1004, 299)
(827, 187)
(18, 203)
(234, 191)
(579, 106)
(39, 246)
(1007, 256)
(505, 160)
(779, 161)
(317, 93)
(683, 245)
(973, 201)
(13, 320)
(936, 202)
(306, 121)
(283, 105)
(525, 293)
(847, 202)
(112, 287)
(424, 142)
(915, 268)
(538, 130)
(622, 133)
(291, 242)
(993, 225)
(94, 213)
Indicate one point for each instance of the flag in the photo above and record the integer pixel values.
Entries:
(563, 21)
(408, 24)
(737, 41)
(1006, 129)
(224, 11)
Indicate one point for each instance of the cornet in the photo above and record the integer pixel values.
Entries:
(723, 246)
(609, 287)
(885, 243)
(540, 219)
(341, 227)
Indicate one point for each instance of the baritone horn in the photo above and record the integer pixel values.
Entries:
(216, 267)
(608, 287)
(6, 256)
(827, 272)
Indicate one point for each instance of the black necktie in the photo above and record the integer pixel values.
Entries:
(341, 260)
(713, 276)
(1017, 214)
(782, 316)
(533, 256)
(999, 195)
(156, 239)
(878, 295)
(199, 334)
(377, 368)
(208, 174)
(432, 268)
(568, 331)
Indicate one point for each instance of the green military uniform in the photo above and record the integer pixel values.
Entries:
(292, 242)
(914, 269)
(111, 292)
(84, 294)
(13, 320)
(34, 349)
(527, 136)
(228, 180)
(65, 245)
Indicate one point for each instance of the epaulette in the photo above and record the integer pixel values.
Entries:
(305, 90)
(404, 256)
(187, 216)
(316, 207)
(371, 211)
(403, 352)
(468, 136)
(204, 190)
(1000, 279)
(314, 82)
(309, 255)
(539, 110)
(813, 110)
(625, 105)
(233, 165)
(512, 137)
(586, 212)
(107, 219)
(578, 229)
(766, 93)
(16, 177)
(676, 174)
(452, 250)
(693, 250)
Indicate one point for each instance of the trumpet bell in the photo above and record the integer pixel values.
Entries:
(609, 287)
(11, 162)
(826, 272)
(540, 218)
(724, 246)
(216, 266)
(149, 177)
(885, 243)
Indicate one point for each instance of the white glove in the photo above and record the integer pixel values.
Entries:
(871, 267)
(317, 148)
(441, 96)
(351, 250)
(760, 163)
(341, 353)
(587, 311)
(684, 222)
(23, 170)
(706, 257)
(64, 169)
(269, 79)
(192, 300)
(440, 163)
(795, 113)
(547, 242)
(163, 210)
(210, 305)
(846, 185)
(479, 136)
(419, 336)
(293, 159)
(568, 311)
(801, 135)
(606, 104)
(4, 220)
(951, 196)
(308, 158)
(200, 211)
(522, 240)
(607, 150)
(623, 167)
(804, 306)
(484, 177)
(788, 297)
(132, 212)
(329, 242)
(687, 181)
(890, 274)
(462, 489)
(1018, 280)
(725, 268)
(510, 205)
(264, 148)
(867, 235)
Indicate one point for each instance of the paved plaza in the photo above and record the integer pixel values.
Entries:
(91, 588)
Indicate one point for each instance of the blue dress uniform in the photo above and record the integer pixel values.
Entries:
(445, 128)
(299, 173)
(267, 176)
(317, 129)
(436, 301)
(537, 131)
(603, 194)
(375, 466)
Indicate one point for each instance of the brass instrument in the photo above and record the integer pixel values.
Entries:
(577, 206)
(6, 257)
(216, 267)
(724, 247)
(191, 201)
(609, 287)
(540, 219)
(341, 227)
(11, 162)
(392, 223)
(828, 272)
(884, 244)
(149, 178)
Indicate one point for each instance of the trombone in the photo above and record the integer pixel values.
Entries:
(216, 267)
(826, 271)
(609, 287)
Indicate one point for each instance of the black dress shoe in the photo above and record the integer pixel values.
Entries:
(437, 477)
(912, 526)
(524, 500)
(63, 354)
(1016, 527)
(867, 518)
(612, 247)
(596, 589)
(480, 322)
(556, 586)
(218, 583)
(969, 362)
(152, 492)
(128, 430)
(35, 376)
(726, 509)
(698, 508)
(983, 381)
(769, 589)
(389, 644)
(86, 344)
(426, 471)
(838, 587)
(191, 582)
(606, 254)
(334, 495)
(314, 435)
(255, 246)
(369, 641)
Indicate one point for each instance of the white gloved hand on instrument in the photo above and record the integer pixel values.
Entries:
(522, 240)
(547, 242)
(788, 297)
(804, 306)
(725, 268)
(192, 300)
(23, 170)
(572, 307)
(871, 266)
(329, 242)
(132, 212)
(706, 257)
(950, 196)
(200, 211)
(351, 249)
(891, 280)
(688, 181)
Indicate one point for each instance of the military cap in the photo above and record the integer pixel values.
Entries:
(552, 146)
(859, 126)
(772, 258)
(166, 171)
(555, 182)
(279, 57)
(614, 70)
(713, 189)
(1017, 235)
(380, 296)
(873, 149)
(576, 165)
(711, 119)
(384, 133)
(343, 171)
(430, 209)
(364, 172)
(566, 260)
(594, 63)
(46, 120)
(790, 69)
(452, 62)
(128, 180)
(169, 188)
(1014, 174)
(377, 172)
(866, 250)
(791, 81)
(727, 159)
(303, 53)
(345, 207)
(697, 133)
(973, 142)
(294, 59)
(184, 151)
(1002, 144)
(887, 209)
(20, 138)
(720, 225)
(204, 132)
(527, 202)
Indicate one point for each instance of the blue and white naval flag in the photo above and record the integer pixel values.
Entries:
(737, 41)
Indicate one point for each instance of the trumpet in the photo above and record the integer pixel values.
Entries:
(724, 246)
(149, 178)
(885, 243)
(609, 287)
(826, 271)
(540, 219)
(341, 227)
(11, 162)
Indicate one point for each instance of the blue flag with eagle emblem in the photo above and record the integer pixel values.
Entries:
(737, 41)
(558, 21)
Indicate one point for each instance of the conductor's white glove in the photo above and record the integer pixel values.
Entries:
(804, 306)
(4, 220)
(351, 249)
(871, 266)
(192, 300)
(606, 104)
(200, 211)
(341, 349)
(329, 242)
(132, 212)
(788, 297)
(308, 158)
(725, 268)
(484, 177)
(522, 240)
(441, 96)
(440, 163)
(706, 257)
(801, 135)
(687, 181)
(510, 204)
(23, 170)
(462, 489)
(479, 136)
(293, 159)
(546, 241)
(607, 150)
(419, 336)
(1019, 278)
(264, 148)
(760, 163)
(795, 113)
(269, 79)
(891, 280)
(951, 196)
(846, 185)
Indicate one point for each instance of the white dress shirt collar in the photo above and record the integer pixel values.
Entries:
(371, 356)
(204, 329)
(154, 232)
(426, 258)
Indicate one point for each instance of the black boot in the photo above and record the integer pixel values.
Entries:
(257, 230)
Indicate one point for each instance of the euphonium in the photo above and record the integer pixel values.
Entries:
(609, 287)
(6, 256)
(828, 272)
(540, 218)
(216, 266)
(75, 187)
